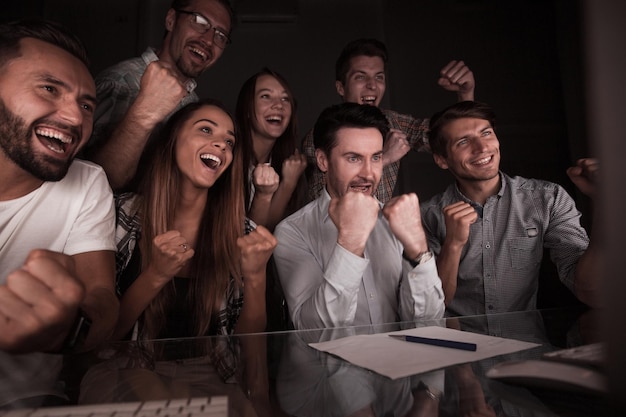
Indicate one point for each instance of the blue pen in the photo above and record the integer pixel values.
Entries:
(436, 342)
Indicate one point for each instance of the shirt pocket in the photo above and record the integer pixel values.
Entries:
(525, 252)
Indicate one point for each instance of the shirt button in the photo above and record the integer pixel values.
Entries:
(487, 245)
(371, 296)
(490, 307)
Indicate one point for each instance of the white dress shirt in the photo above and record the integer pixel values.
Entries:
(325, 285)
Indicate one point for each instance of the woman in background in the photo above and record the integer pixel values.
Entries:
(273, 167)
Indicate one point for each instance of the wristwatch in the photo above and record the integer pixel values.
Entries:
(419, 259)
(78, 333)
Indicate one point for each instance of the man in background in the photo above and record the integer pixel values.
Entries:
(137, 95)
(360, 77)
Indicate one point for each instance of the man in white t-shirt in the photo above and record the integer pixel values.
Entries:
(56, 215)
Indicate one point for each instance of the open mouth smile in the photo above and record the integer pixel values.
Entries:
(55, 140)
(210, 160)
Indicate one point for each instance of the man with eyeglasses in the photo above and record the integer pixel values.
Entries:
(138, 95)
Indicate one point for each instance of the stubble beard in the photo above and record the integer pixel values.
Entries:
(16, 143)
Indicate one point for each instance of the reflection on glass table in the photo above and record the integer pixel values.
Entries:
(279, 374)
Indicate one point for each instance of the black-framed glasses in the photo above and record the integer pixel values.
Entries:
(202, 25)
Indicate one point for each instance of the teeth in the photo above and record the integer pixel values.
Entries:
(482, 161)
(368, 99)
(274, 119)
(210, 160)
(199, 52)
(53, 134)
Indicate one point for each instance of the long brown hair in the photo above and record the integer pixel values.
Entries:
(284, 146)
(216, 257)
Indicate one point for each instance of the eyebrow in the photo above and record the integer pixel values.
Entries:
(209, 121)
(51, 79)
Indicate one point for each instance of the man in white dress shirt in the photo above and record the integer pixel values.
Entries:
(344, 259)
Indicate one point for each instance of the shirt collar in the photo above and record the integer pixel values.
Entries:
(150, 56)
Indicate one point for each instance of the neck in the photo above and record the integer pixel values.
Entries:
(479, 191)
(19, 182)
(262, 147)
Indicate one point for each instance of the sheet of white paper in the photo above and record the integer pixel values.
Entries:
(397, 359)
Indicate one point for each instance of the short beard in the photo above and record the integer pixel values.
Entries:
(15, 142)
(186, 70)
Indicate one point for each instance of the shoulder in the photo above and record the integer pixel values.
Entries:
(300, 220)
(439, 201)
(86, 174)
(120, 72)
(527, 185)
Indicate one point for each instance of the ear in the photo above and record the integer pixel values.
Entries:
(440, 161)
(322, 160)
(170, 20)
(339, 87)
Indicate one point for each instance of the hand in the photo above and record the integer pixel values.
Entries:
(160, 91)
(456, 76)
(39, 303)
(396, 146)
(584, 175)
(256, 248)
(355, 215)
(265, 179)
(458, 218)
(293, 167)
(403, 214)
(170, 253)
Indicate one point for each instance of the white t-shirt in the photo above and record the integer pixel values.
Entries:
(72, 216)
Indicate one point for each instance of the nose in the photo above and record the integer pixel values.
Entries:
(479, 145)
(208, 36)
(367, 169)
(277, 103)
(71, 112)
(220, 144)
(371, 83)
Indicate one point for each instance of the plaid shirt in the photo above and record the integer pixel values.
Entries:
(500, 264)
(416, 134)
(128, 233)
(116, 90)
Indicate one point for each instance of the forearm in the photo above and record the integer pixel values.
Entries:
(135, 300)
(280, 199)
(333, 301)
(448, 269)
(260, 208)
(587, 285)
(421, 295)
(253, 316)
(120, 154)
(102, 306)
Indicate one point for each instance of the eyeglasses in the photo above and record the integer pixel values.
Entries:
(201, 24)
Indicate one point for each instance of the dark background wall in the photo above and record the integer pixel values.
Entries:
(525, 55)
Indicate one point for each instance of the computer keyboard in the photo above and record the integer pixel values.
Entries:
(592, 355)
(192, 407)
